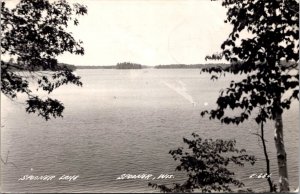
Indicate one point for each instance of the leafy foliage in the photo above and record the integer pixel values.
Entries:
(268, 57)
(33, 34)
(215, 56)
(206, 163)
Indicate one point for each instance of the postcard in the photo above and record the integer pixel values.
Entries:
(127, 96)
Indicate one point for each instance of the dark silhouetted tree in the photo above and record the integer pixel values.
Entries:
(34, 33)
(206, 163)
(216, 56)
(268, 57)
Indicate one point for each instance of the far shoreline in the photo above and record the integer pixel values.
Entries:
(170, 66)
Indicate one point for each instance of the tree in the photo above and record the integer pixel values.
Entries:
(206, 162)
(272, 186)
(268, 58)
(33, 34)
(216, 56)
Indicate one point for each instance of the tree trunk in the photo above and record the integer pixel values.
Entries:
(266, 156)
(281, 154)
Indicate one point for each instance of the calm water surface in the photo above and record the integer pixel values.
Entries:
(126, 121)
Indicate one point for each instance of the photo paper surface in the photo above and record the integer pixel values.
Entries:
(151, 96)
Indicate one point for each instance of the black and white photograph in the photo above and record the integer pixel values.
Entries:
(149, 96)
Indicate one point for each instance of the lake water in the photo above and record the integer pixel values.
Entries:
(125, 122)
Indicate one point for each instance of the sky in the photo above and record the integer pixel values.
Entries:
(149, 32)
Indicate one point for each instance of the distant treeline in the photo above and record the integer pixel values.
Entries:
(128, 65)
(96, 67)
(191, 66)
(179, 66)
(124, 65)
(23, 67)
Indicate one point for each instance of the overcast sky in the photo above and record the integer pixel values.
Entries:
(149, 32)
